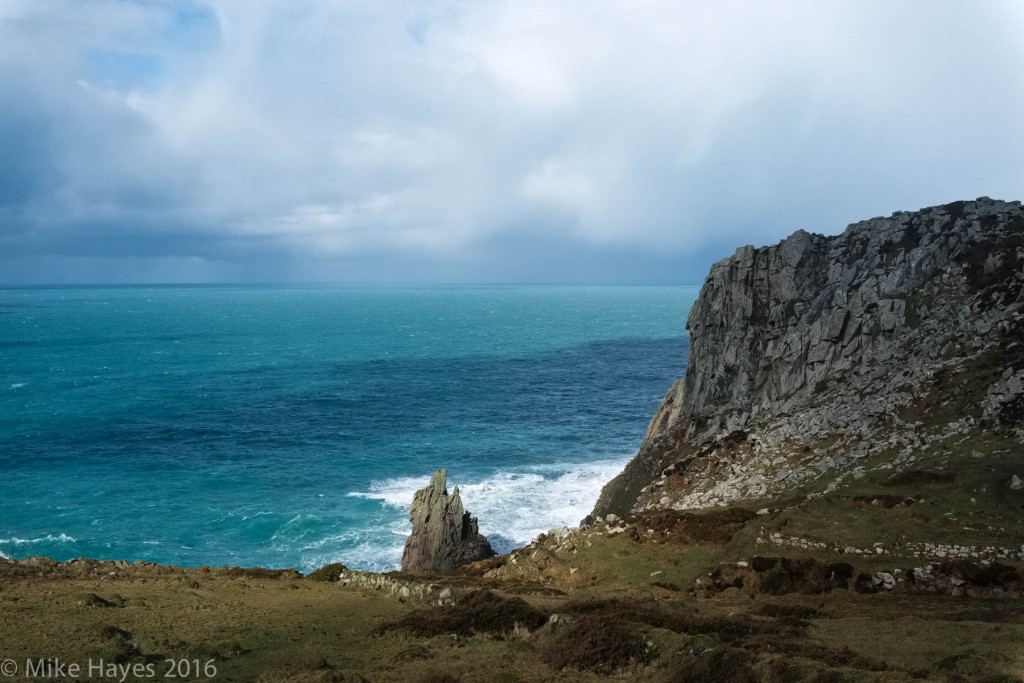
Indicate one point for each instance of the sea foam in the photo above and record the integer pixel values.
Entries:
(513, 506)
(49, 538)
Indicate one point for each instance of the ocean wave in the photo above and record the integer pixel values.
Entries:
(49, 538)
(368, 555)
(334, 540)
(17, 385)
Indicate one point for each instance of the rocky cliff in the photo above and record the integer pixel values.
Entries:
(444, 535)
(820, 358)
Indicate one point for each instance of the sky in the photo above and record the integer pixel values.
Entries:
(506, 141)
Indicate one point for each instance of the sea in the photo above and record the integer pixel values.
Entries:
(289, 426)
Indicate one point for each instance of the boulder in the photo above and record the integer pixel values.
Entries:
(444, 535)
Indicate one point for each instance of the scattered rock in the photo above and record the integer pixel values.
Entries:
(90, 600)
(885, 580)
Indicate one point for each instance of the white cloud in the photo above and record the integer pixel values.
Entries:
(433, 129)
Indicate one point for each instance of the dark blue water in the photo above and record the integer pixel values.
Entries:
(290, 426)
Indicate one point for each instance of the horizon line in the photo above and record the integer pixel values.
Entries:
(126, 285)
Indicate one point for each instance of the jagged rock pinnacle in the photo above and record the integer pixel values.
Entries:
(444, 535)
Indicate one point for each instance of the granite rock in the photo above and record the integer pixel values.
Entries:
(819, 353)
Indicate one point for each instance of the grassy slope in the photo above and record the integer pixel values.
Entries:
(292, 629)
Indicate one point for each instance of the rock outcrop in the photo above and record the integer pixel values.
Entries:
(444, 535)
(820, 356)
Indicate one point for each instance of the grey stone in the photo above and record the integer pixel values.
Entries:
(815, 345)
(444, 535)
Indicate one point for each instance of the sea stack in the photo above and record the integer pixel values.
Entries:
(444, 535)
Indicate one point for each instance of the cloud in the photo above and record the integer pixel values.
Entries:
(508, 141)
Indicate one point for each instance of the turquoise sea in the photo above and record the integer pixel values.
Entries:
(289, 426)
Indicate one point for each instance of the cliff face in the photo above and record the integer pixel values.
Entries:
(444, 535)
(820, 356)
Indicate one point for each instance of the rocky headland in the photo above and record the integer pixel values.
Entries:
(821, 358)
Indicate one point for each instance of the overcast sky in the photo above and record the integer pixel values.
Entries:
(577, 141)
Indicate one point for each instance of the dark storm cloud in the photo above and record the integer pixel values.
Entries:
(508, 141)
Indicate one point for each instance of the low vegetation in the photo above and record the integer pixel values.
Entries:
(597, 644)
(478, 612)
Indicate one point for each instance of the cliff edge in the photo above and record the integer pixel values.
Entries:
(820, 357)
